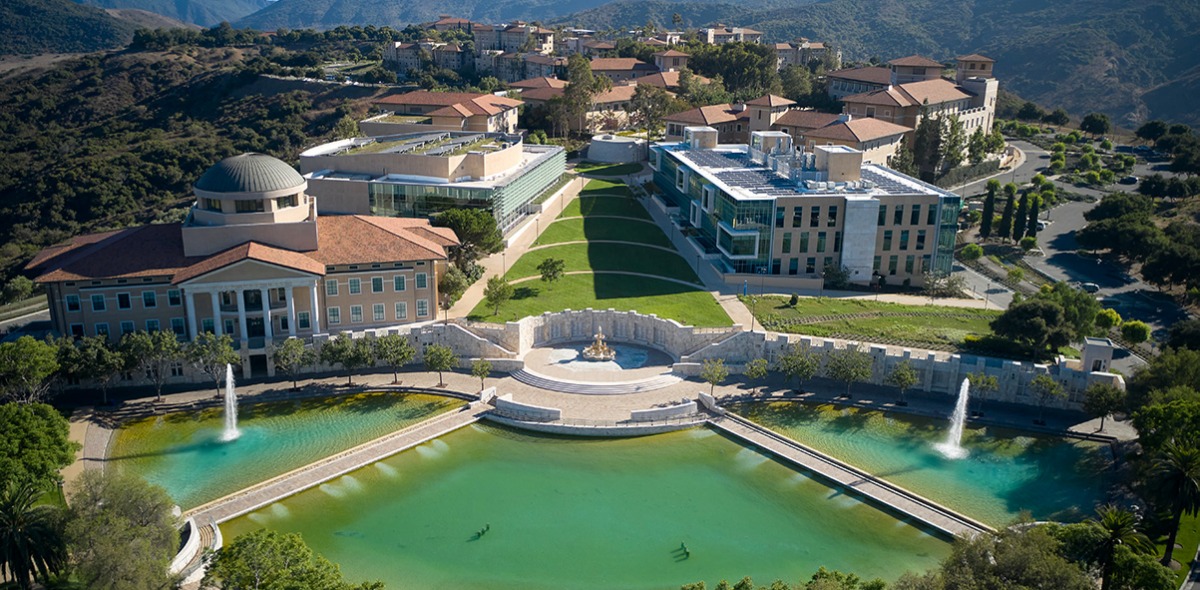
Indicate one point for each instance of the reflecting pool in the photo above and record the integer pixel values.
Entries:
(1006, 472)
(183, 452)
(590, 513)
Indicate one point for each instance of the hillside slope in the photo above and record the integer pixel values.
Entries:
(58, 26)
(205, 13)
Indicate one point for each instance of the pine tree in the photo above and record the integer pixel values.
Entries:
(1035, 203)
(1022, 216)
(989, 209)
(1006, 218)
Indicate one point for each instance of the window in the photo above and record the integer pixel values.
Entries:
(920, 239)
(153, 326)
(288, 201)
(331, 287)
(72, 303)
(832, 216)
(355, 286)
(178, 326)
(932, 217)
(892, 262)
(335, 315)
(177, 370)
(803, 242)
(249, 206)
(798, 217)
(377, 284)
(828, 263)
(149, 299)
(174, 298)
(356, 316)
(837, 241)
(925, 260)
(422, 308)
(123, 301)
(793, 266)
(98, 303)
(780, 215)
(787, 243)
(377, 313)
(102, 329)
(229, 327)
(887, 240)
(422, 280)
(820, 241)
(904, 240)
(814, 217)
(303, 321)
(915, 218)
(127, 327)
(898, 216)
(775, 265)
(810, 265)
(401, 310)
(908, 263)
(77, 330)
(875, 266)
(207, 325)
(399, 283)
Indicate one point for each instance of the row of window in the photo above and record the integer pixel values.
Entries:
(99, 301)
(887, 240)
(399, 284)
(910, 262)
(814, 216)
(804, 242)
(914, 217)
(179, 326)
(378, 312)
(810, 265)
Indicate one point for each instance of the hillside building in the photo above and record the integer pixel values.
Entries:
(442, 111)
(843, 83)
(721, 34)
(802, 52)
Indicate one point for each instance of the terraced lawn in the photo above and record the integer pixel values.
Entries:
(602, 169)
(607, 187)
(618, 206)
(664, 298)
(622, 257)
(573, 230)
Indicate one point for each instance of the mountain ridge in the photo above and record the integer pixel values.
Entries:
(205, 13)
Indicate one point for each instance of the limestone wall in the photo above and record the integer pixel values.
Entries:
(666, 413)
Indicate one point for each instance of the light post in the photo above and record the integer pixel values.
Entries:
(503, 262)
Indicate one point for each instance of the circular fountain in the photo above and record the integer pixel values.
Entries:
(599, 351)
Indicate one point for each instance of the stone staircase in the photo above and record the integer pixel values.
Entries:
(592, 388)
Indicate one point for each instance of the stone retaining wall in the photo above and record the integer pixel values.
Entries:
(676, 411)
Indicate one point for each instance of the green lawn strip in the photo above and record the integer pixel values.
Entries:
(618, 206)
(624, 293)
(623, 257)
(816, 306)
(597, 186)
(572, 230)
(602, 169)
(1189, 539)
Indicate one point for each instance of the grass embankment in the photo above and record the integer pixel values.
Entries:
(573, 230)
(602, 169)
(596, 186)
(1188, 540)
(612, 257)
(605, 206)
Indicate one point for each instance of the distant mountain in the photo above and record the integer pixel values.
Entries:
(58, 26)
(1131, 60)
(148, 20)
(205, 13)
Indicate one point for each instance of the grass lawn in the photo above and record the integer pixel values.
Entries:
(571, 230)
(606, 257)
(618, 206)
(1189, 539)
(602, 169)
(605, 187)
(668, 300)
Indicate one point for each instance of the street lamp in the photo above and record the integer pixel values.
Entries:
(503, 262)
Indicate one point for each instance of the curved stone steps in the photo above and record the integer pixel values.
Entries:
(593, 388)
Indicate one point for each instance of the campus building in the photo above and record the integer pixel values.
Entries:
(253, 259)
(420, 174)
(442, 111)
(721, 34)
(771, 208)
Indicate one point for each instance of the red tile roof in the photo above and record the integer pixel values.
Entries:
(872, 75)
(915, 61)
(709, 115)
(770, 100)
(137, 252)
(858, 130)
(936, 91)
(667, 79)
(610, 64)
(805, 119)
(475, 104)
(250, 251)
(542, 82)
(975, 57)
(671, 53)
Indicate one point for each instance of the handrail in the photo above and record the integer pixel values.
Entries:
(541, 419)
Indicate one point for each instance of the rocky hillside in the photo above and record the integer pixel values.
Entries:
(205, 13)
(58, 26)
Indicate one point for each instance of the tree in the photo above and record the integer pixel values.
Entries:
(1175, 367)
(1015, 275)
(481, 368)
(799, 363)
(1028, 243)
(1035, 205)
(989, 209)
(1108, 319)
(1036, 323)
(650, 104)
(584, 85)
(848, 365)
(551, 269)
(954, 142)
(121, 532)
(1006, 218)
(99, 362)
(34, 444)
(26, 365)
(797, 82)
(477, 234)
(1021, 218)
(439, 357)
(928, 150)
(1151, 131)
(971, 252)
(1046, 389)
(31, 535)
(291, 357)
(904, 161)
(153, 353)
(1178, 465)
(1013, 558)
(1185, 334)
(981, 385)
(902, 377)
(18, 288)
(1135, 332)
(714, 372)
(977, 146)
(451, 285)
(395, 350)
(270, 560)
(497, 293)
(1101, 399)
(1030, 112)
(211, 354)
(349, 352)
(1079, 307)
(756, 369)
(1057, 117)
(1096, 124)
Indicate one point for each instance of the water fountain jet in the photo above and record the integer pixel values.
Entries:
(231, 431)
(952, 448)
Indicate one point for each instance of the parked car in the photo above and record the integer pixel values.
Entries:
(1090, 287)
(1128, 279)
(1129, 180)
(1041, 224)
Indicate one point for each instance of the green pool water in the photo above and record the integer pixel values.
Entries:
(183, 453)
(1007, 471)
(588, 513)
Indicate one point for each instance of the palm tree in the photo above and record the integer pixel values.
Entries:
(1179, 467)
(1120, 528)
(31, 539)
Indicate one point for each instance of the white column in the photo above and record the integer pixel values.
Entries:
(316, 315)
(218, 325)
(266, 302)
(192, 320)
(291, 310)
(241, 307)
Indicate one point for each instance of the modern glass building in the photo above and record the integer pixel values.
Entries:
(767, 208)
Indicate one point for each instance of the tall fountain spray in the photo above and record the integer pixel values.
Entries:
(231, 430)
(952, 448)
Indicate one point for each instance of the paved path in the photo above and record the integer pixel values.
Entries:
(861, 482)
(329, 468)
(575, 242)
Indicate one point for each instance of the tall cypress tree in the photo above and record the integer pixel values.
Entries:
(1006, 218)
(1021, 218)
(989, 209)
(1035, 203)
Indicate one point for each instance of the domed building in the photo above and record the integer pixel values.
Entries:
(252, 259)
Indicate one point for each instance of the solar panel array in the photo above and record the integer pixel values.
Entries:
(713, 159)
(452, 145)
(759, 180)
(885, 182)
